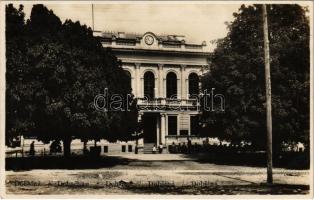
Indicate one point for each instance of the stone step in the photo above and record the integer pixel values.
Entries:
(148, 148)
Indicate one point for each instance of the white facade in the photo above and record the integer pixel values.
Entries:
(159, 56)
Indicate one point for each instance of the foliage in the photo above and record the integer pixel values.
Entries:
(17, 90)
(63, 67)
(237, 71)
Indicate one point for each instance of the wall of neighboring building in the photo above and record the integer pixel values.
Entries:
(77, 146)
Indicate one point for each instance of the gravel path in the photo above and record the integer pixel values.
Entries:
(154, 175)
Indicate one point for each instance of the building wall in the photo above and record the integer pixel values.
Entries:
(161, 57)
(160, 72)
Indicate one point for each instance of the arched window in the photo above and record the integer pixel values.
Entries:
(149, 85)
(129, 81)
(171, 85)
(193, 85)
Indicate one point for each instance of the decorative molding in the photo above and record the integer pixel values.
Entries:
(183, 67)
(137, 65)
(172, 51)
(198, 73)
(149, 70)
(163, 114)
(171, 70)
(165, 63)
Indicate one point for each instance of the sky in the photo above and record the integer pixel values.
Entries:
(198, 21)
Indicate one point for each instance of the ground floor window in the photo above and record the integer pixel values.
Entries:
(172, 125)
(105, 149)
(130, 148)
(194, 126)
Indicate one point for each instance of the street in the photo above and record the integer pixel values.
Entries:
(158, 174)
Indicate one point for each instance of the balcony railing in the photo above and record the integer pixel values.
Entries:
(167, 104)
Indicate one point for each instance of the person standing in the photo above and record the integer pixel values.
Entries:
(154, 149)
(161, 148)
(32, 149)
(189, 145)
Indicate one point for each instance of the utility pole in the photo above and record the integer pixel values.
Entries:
(93, 16)
(268, 99)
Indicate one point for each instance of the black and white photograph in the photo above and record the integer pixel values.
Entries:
(156, 99)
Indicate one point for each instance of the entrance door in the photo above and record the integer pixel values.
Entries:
(150, 128)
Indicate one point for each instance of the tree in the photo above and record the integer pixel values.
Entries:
(18, 115)
(66, 68)
(237, 72)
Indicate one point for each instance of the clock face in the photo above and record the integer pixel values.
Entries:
(149, 40)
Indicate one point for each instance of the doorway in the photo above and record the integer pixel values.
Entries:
(150, 128)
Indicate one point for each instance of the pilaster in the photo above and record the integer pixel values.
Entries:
(161, 80)
(137, 89)
(183, 82)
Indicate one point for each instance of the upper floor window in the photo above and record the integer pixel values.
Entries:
(193, 85)
(149, 85)
(171, 85)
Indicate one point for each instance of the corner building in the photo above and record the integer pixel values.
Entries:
(165, 74)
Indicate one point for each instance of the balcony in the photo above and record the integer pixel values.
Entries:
(168, 104)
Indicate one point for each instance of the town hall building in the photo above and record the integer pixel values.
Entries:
(165, 72)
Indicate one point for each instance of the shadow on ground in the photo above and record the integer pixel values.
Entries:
(295, 161)
(74, 162)
(253, 159)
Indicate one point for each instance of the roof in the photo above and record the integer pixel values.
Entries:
(136, 37)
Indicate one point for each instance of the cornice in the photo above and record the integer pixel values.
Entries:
(163, 62)
(157, 51)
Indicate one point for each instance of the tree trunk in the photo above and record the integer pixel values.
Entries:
(85, 145)
(67, 147)
(136, 144)
(85, 152)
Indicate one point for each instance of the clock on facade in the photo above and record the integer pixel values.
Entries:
(149, 40)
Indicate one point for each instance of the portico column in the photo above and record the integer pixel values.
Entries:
(166, 128)
(158, 130)
(163, 129)
(137, 80)
(160, 82)
(183, 85)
